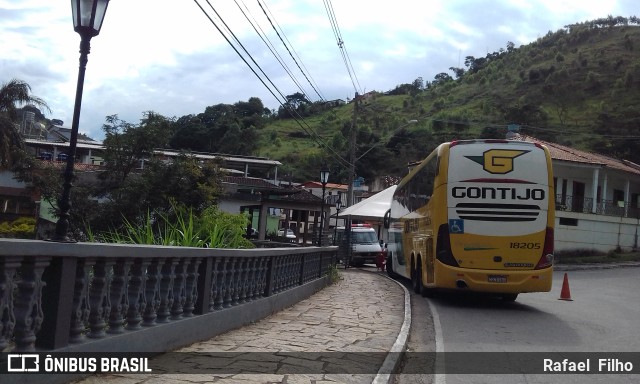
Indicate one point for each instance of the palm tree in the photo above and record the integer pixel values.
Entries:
(13, 93)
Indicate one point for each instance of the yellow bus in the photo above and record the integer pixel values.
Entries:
(475, 215)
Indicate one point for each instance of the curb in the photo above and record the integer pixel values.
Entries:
(595, 266)
(393, 358)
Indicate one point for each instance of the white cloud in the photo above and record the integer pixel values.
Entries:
(167, 56)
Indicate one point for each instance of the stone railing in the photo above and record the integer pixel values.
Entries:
(89, 297)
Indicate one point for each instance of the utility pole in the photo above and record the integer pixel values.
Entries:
(352, 152)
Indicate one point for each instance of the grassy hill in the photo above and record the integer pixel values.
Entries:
(578, 86)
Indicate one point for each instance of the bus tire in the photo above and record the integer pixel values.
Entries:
(389, 267)
(428, 292)
(416, 278)
(510, 296)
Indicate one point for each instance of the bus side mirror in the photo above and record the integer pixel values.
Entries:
(387, 219)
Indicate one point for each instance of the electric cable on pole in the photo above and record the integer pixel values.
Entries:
(352, 151)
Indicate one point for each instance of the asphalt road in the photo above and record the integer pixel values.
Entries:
(602, 317)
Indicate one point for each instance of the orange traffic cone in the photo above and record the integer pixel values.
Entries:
(565, 294)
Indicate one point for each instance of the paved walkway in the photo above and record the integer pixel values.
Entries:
(592, 266)
(345, 328)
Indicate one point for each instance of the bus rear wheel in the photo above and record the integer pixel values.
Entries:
(416, 279)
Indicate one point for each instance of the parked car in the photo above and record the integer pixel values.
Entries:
(288, 233)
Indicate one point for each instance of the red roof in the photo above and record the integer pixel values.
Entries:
(78, 167)
(317, 184)
(564, 153)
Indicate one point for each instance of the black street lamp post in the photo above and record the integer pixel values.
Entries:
(324, 177)
(335, 227)
(87, 21)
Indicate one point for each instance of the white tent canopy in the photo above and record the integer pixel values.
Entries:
(372, 208)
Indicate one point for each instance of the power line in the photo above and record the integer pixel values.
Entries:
(269, 44)
(311, 82)
(343, 51)
(238, 52)
(294, 114)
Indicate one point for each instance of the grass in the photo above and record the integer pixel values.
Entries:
(584, 65)
(334, 274)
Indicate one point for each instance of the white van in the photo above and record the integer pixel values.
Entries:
(365, 247)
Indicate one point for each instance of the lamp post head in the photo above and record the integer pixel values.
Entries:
(324, 176)
(338, 205)
(88, 16)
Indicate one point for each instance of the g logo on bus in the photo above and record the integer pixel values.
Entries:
(497, 161)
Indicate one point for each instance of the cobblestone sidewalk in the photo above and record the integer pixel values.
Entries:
(339, 335)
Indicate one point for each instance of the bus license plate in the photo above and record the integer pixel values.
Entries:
(497, 278)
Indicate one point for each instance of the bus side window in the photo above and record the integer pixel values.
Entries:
(421, 187)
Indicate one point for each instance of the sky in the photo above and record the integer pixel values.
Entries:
(168, 57)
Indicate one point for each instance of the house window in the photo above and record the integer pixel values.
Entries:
(568, 221)
(26, 207)
(635, 204)
(618, 197)
(10, 206)
(577, 204)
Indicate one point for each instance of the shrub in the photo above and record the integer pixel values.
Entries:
(212, 229)
(23, 228)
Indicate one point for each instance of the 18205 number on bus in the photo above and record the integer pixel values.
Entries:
(525, 245)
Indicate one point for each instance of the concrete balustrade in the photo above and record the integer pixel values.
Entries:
(88, 297)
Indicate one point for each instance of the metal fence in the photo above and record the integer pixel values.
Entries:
(603, 207)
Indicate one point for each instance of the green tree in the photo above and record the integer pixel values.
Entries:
(418, 84)
(13, 93)
(297, 100)
(189, 133)
(224, 128)
(249, 108)
(126, 144)
(458, 72)
(185, 180)
(135, 182)
(296, 104)
(441, 78)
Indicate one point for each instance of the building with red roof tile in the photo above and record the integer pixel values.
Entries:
(597, 199)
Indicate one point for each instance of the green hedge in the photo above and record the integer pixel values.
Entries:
(23, 228)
